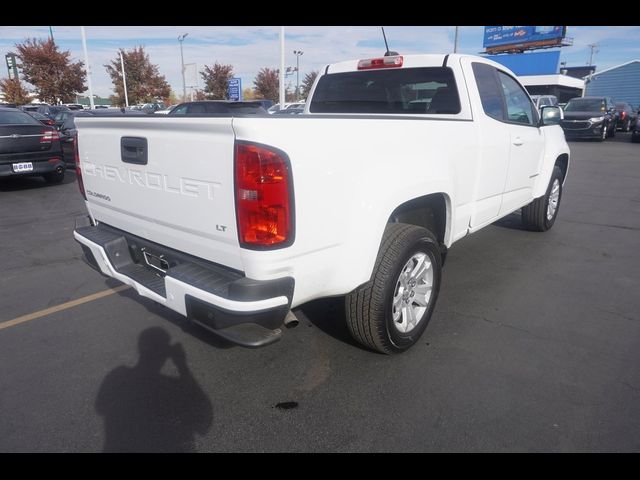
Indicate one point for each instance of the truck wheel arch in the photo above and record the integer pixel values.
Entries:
(432, 212)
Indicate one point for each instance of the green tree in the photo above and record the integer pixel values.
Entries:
(307, 83)
(216, 79)
(13, 91)
(267, 83)
(55, 78)
(144, 82)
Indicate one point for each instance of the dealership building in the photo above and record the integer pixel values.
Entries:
(622, 83)
(540, 74)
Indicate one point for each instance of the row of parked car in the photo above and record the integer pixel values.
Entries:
(594, 117)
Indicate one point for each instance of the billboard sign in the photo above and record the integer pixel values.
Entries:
(502, 36)
(234, 89)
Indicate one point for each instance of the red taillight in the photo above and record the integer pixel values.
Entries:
(76, 159)
(623, 115)
(264, 206)
(49, 136)
(384, 62)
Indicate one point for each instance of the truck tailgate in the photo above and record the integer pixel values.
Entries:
(169, 180)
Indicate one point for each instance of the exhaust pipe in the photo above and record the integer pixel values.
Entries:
(58, 169)
(291, 321)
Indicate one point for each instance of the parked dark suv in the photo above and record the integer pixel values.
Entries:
(590, 117)
(218, 107)
(627, 117)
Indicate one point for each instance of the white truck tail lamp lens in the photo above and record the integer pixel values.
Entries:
(384, 62)
(264, 204)
(76, 159)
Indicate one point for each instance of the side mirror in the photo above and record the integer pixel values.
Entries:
(550, 115)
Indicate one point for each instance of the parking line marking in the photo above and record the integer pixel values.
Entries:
(62, 306)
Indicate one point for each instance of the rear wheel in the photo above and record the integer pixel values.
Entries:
(541, 214)
(391, 311)
(612, 130)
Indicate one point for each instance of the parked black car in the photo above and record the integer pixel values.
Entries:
(266, 104)
(43, 118)
(293, 110)
(27, 147)
(627, 117)
(67, 128)
(48, 110)
(589, 117)
(635, 133)
(218, 107)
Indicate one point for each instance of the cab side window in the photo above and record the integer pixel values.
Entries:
(519, 107)
(489, 90)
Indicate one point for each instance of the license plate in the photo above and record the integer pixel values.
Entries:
(22, 167)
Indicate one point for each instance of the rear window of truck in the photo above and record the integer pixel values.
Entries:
(426, 90)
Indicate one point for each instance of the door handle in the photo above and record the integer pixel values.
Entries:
(517, 141)
(133, 150)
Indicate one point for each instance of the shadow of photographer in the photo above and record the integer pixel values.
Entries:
(145, 410)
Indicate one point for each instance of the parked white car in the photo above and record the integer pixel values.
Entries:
(234, 221)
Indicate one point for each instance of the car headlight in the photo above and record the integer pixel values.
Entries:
(596, 119)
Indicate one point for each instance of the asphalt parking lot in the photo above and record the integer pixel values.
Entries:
(534, 345)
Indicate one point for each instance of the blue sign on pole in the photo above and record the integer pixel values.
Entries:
(498, 36)
(234, 90)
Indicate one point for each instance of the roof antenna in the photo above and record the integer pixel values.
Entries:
(388, 53)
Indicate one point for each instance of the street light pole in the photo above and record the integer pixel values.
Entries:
(297, 53)
(86, 62)
(455, 42)
(124, 81)
(184, 84)
(282, 70)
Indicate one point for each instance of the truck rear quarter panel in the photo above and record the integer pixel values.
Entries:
(349, 174)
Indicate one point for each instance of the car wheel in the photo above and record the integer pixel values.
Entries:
(541, 214)
(54, 177)
(612, 130)
(390, 312)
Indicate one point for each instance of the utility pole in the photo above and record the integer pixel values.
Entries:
(124, 80)
(184, 84)
(594, 49)
(282, 71)
(297, 53)
(86, 62)
(455, 42)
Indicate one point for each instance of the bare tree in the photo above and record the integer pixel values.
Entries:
(216, 79)
(56, 79)
(13, 91)
(307, 83)
(144, 82)
(266, 84)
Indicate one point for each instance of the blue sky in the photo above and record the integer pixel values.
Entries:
(250, 48)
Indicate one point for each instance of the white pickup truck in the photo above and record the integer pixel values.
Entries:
(234, 221)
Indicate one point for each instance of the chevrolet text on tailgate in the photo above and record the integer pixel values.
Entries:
(234, 221)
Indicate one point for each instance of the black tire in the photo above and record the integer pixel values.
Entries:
(369, 308)
(54, 177)
(534, 215)
(612, 129)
